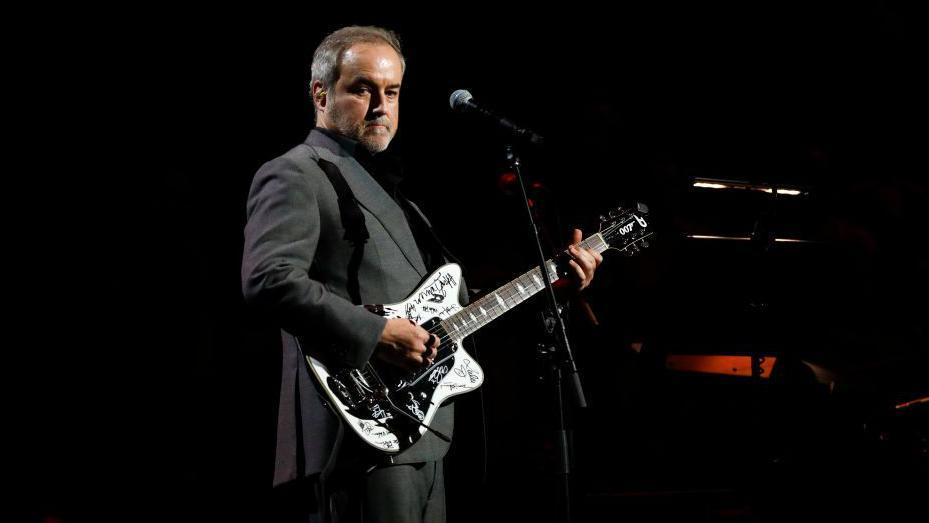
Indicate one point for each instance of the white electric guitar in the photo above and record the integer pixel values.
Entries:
(390, 408)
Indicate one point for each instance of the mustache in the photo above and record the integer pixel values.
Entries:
(383, 120)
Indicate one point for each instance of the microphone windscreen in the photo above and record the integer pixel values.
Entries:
(459, 98)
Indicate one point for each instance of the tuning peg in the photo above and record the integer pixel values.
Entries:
(603, 218)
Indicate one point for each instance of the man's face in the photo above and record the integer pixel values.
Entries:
(364, 104)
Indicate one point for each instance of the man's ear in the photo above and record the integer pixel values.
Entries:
(320, 95)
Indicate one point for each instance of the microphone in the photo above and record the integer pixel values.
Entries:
(461, 100)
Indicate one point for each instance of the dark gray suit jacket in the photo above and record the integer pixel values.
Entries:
(295, 267)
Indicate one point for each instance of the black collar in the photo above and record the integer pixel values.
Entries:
(344, 141)
(385, 167)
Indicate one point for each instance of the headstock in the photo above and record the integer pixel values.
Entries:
(626, 229)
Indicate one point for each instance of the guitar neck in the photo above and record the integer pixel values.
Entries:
(494, 304)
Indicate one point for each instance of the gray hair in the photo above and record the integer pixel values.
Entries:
(327, 59)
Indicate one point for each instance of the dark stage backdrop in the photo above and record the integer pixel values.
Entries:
(156, 398)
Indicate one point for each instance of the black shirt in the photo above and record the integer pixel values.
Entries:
(387, 169)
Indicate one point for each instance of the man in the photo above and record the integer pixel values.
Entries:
(327, 230)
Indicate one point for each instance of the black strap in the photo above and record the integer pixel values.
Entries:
(428, 228)
(353, 221)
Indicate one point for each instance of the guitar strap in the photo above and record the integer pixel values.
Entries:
(433, 237)
(353, 221)
(356, 232)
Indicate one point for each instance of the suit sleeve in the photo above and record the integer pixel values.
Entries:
(281, 235)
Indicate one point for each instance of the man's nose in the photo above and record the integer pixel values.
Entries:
(378, 103)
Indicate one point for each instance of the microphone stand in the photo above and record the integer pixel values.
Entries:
(563, 369)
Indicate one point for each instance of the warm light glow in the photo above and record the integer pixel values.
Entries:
(725, 364)
(791, 240)
(789, 192)
(914, 402)
(710, 237)
(746, 186)
(742, 238)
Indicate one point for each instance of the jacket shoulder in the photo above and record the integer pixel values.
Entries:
(298, 165)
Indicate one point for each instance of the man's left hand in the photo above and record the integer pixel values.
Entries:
(583, 261)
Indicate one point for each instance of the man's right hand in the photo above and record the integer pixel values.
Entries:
(405, 344)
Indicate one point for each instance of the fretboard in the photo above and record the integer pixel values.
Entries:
(492, 305)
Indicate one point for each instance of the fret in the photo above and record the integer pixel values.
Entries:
(595, 243)
(552, 272)
(492, 305)
(499, 300)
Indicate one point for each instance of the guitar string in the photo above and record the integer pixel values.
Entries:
(507, 298)
(448, 337)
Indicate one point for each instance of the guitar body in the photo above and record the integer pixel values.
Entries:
(387, 406)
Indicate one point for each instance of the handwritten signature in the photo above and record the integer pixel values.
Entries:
(436, 291)
(465, 369)
(413, 407)
(438, 374)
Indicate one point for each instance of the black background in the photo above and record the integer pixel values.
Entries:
(150, 392)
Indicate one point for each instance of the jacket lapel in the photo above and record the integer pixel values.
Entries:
(371, 196)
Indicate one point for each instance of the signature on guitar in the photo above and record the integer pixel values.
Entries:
(465, 369)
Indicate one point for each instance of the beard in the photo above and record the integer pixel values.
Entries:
(367, 133)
